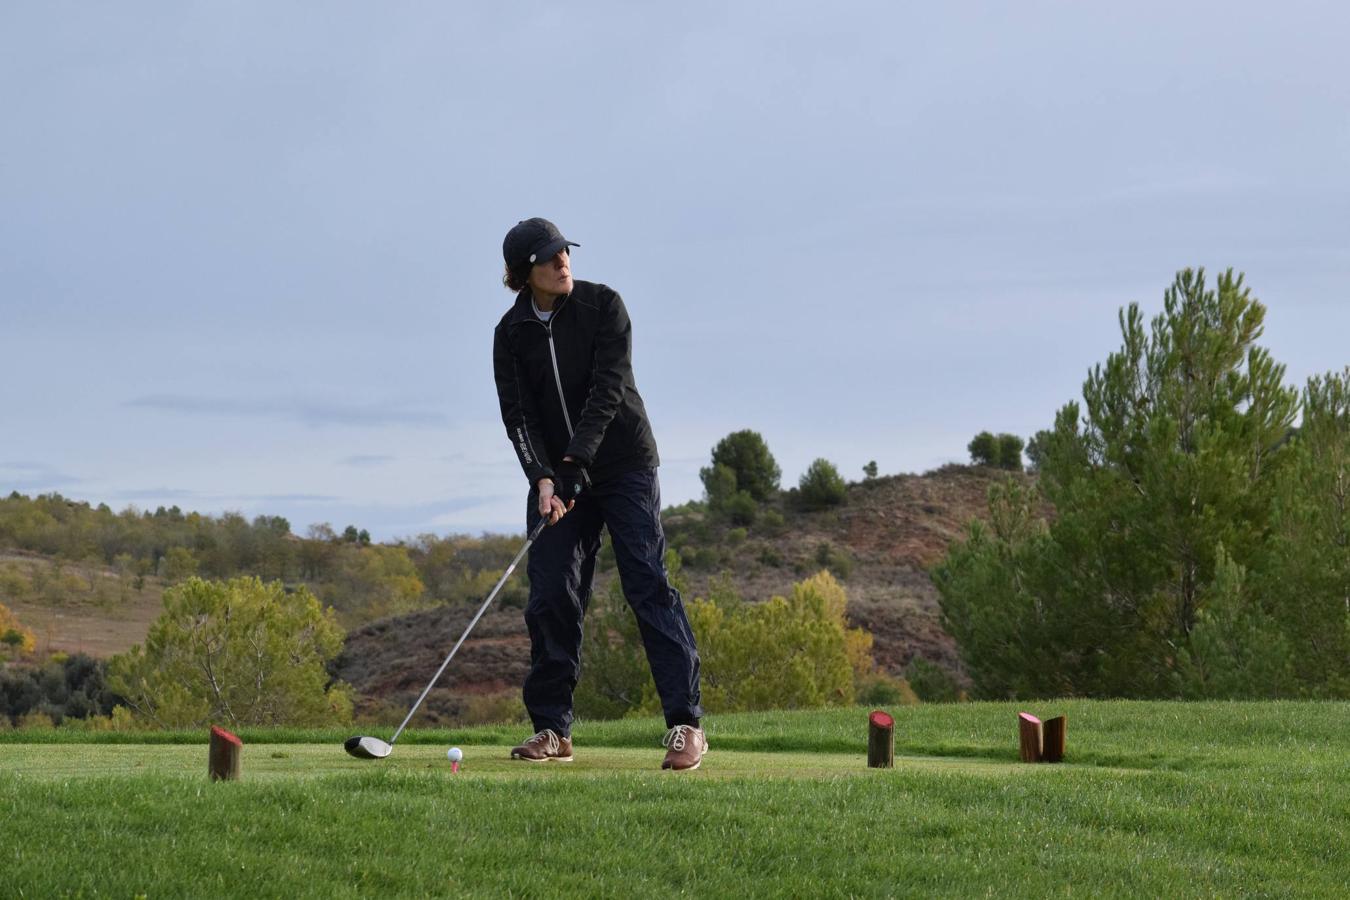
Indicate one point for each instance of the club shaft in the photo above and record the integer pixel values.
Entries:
(474, 621)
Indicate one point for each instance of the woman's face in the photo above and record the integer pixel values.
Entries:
(553, 277)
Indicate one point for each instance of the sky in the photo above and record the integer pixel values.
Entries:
(250, 253)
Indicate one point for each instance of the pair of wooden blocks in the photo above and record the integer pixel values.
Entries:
(1041, 741)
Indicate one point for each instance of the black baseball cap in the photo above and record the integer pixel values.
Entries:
(533, 241)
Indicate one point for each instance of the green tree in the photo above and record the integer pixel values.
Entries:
(178, 565)
(1304, 581)
(719, 485)
(375, 581)
(870, 470)
(821, 486)
(1179, 453)
(1010, 452)
(748, 456)
(983, 449)
(239, 652)
(1236, 650)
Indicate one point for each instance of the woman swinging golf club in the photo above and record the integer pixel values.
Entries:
(562, 359)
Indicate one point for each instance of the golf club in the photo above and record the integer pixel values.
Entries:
(364, 747)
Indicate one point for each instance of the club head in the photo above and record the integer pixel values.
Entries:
(367, 748)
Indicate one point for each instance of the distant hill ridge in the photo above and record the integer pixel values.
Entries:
(880, 543)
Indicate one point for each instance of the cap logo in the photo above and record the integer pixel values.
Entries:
(532, 256)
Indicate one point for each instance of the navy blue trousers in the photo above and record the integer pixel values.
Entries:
(561, 565)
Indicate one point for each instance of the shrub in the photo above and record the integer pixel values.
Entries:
(497, 708)
(931, 683)
(772, 523)
(836, 559)
(821, 486)
(769, 556)
(883, 689)
(36, 721)
(741, 508)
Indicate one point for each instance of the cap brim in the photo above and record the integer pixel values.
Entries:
(550, 250)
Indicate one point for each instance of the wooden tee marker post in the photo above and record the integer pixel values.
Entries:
(223, 762)
(1052, 746)
(880, 741)
(1041, 741)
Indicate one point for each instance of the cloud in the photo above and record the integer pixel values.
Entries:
(290, 498)
(314, 413)
(158, 493)
(33, 476)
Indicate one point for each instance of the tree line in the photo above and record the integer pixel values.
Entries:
(1199, 544)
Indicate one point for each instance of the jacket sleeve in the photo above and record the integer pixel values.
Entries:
(613, 368)
(519, 413)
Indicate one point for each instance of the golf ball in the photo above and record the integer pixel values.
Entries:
(454, 754)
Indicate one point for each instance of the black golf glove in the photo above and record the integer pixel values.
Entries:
(568, 481)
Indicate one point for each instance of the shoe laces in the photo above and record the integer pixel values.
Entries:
(550, 739)
(675, 737)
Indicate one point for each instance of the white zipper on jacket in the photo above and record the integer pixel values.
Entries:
(557, 377)
(558, 380)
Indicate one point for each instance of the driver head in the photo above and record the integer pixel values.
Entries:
(367, 748)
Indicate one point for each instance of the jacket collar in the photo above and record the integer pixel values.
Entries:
(523, 309)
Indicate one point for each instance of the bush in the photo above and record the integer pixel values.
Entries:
(786, 653)
(836, 559)
(769, 556)
(497, 708)
(772, 523)
(741, 508)
(882, 689)
(931, 683)
(821, 486)
(67, 687)
(36, 721)
(736, 536)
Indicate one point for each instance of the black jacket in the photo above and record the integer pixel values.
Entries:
(566, 386)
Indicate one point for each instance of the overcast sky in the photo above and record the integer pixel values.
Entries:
(250, 253)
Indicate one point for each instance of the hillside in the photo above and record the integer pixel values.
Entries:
(880, 543)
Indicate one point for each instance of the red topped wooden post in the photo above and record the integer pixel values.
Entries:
(223, 763)
(880, 741)
(1029, 737)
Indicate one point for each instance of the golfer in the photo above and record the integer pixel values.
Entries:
(563, 361)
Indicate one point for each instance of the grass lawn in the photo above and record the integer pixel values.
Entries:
(1157, 799)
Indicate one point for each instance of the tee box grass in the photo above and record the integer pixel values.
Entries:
(1156, 799)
